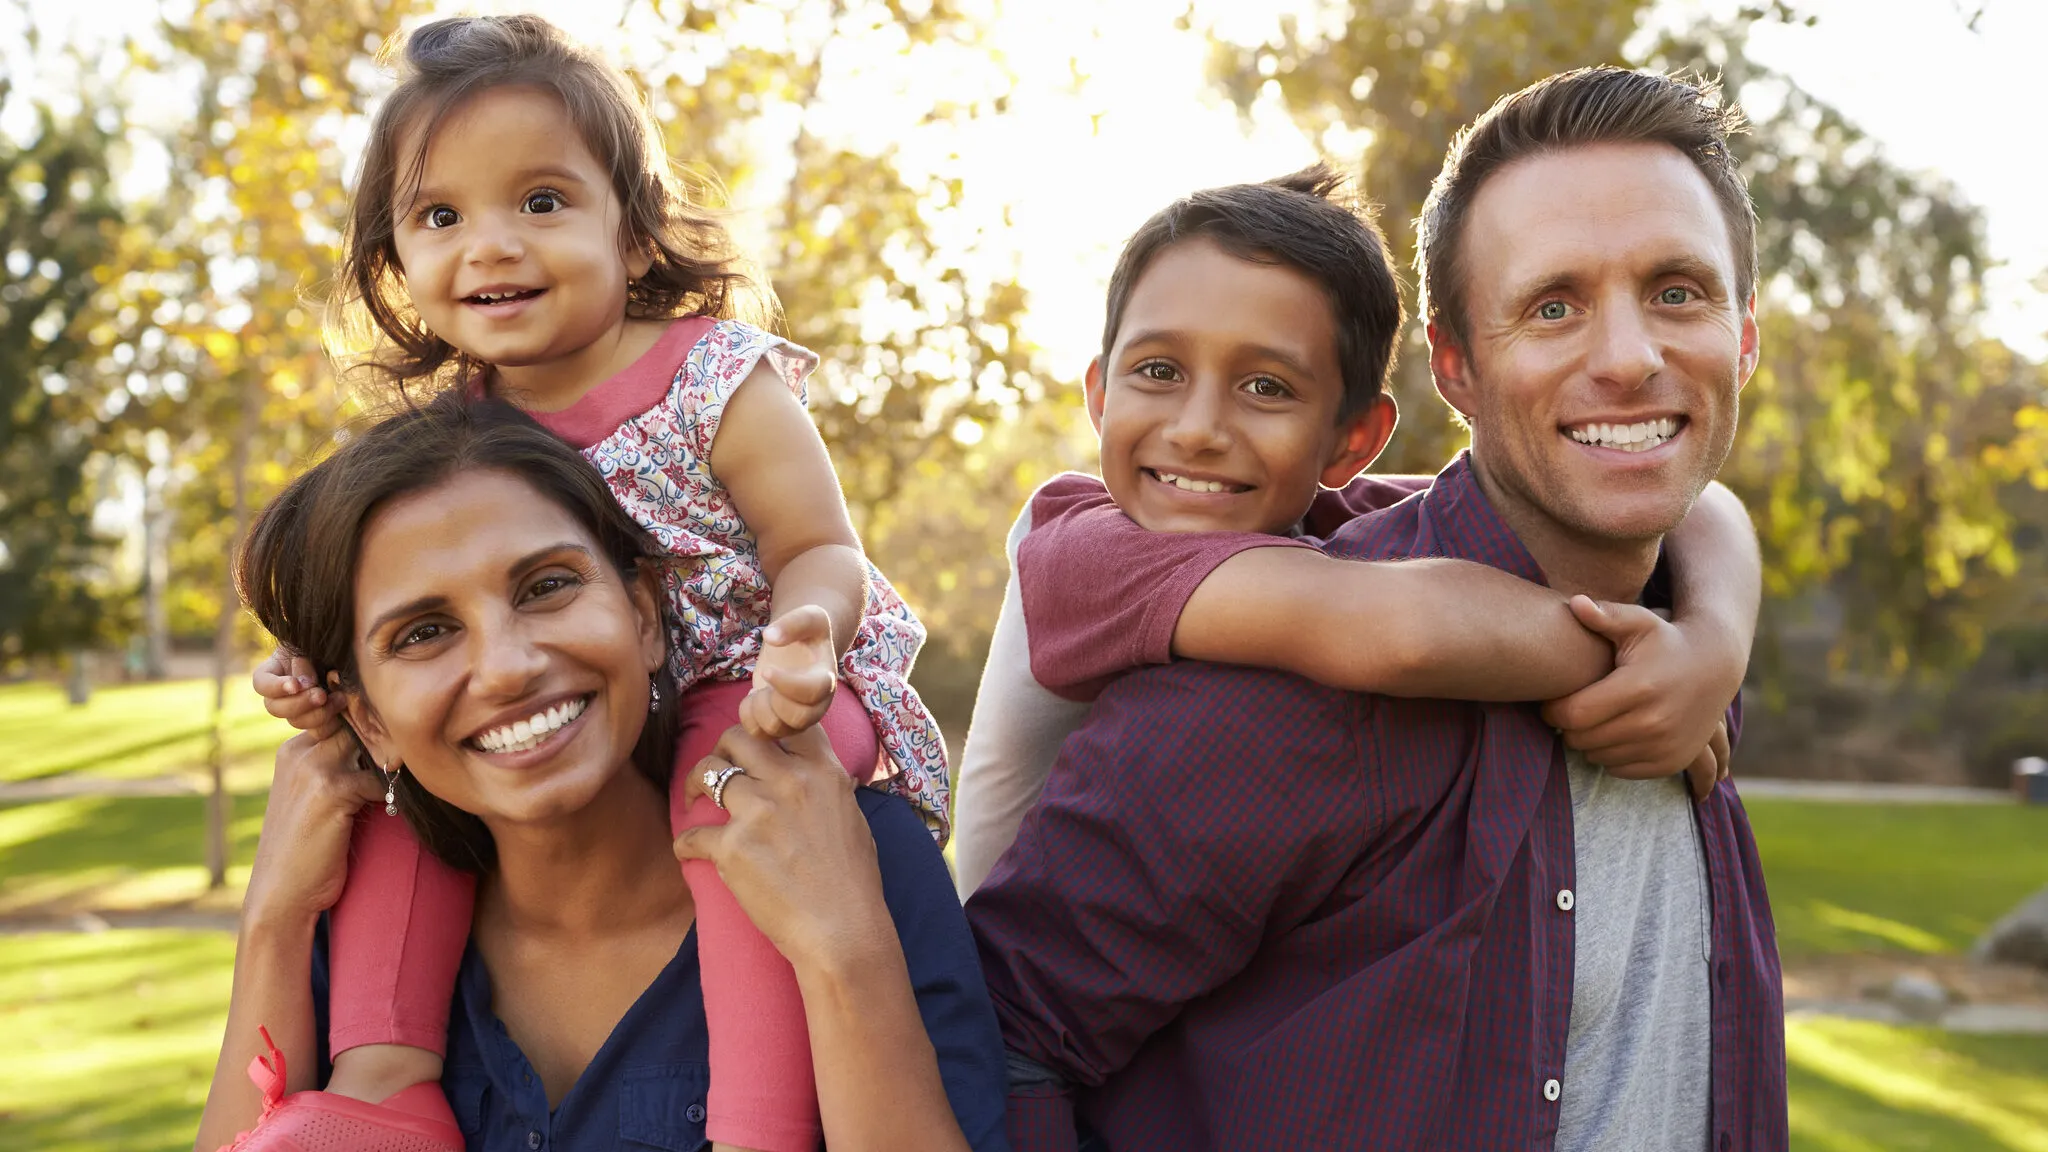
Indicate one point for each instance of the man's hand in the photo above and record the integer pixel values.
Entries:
(795, 677)
(292, 692)
(1654, 715)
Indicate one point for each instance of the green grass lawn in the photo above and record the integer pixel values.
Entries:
(128, 731)
(111, 1037)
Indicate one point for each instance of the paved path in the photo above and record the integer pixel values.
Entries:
(2007, 1019)
(189, 919)
(68, 785)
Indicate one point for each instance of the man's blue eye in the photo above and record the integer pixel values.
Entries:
(1675, 295)
(1553, 310)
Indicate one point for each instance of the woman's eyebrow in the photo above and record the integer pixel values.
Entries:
(435, 600)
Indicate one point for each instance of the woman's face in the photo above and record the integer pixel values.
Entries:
(500, 657)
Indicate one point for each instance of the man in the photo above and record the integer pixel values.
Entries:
(1250, 912)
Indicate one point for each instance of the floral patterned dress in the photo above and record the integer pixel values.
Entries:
(657, 464)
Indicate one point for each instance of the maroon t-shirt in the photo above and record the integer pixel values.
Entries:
(1102, 596)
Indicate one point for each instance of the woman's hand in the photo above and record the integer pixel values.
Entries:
(1658, 713)
(797, 852)
(302, 856)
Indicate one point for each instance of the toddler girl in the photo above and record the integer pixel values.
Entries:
(518, 231)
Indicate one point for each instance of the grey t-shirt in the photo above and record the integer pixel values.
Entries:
(1636, 1063)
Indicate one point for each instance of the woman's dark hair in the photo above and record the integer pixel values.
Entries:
(297, 570)
(1304, 221)
(697, 269)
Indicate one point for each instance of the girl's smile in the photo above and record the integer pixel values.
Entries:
(513, 247)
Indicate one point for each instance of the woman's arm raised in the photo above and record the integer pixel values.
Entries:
(799, 856)
(301, 865)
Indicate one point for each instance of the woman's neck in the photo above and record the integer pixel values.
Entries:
(606, 868)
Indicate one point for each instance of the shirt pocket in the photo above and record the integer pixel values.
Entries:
(468, 1088)
(662, 1106)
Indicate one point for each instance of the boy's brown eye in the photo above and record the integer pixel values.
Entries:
(1267, 388)
(1156, 371)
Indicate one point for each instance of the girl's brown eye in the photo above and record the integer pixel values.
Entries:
(441, 216)
(541, 203)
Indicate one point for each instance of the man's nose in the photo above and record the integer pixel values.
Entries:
(1201, 424)
(1625, 351)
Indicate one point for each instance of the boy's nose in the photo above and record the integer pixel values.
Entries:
(1200, 424)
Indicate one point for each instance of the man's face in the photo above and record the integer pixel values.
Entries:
(1605, 344)
(1218, 403)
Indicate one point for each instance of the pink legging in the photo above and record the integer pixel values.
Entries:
(394, 975)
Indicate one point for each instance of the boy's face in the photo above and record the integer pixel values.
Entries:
(1217, 406)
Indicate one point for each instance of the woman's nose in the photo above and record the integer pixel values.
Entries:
(506, 663)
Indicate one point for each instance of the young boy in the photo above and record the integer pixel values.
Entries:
(1238, 397)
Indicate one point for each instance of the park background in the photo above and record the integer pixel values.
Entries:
(937, 189)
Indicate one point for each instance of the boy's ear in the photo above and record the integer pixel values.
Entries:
(1094, 386)
(1451, 368)
(1360, 441)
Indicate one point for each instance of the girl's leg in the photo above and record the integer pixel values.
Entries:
(395, 941)
(764, 1094)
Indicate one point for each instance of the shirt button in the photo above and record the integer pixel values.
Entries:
(1551, 1090)
(694, 1113)
(533, 1138)
(1564, 899)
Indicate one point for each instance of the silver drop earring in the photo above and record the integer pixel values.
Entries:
(653, 695)
(391, 790)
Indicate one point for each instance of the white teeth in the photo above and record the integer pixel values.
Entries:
(1186, 485)
(1638, 437)
(520, 735)
(494, 297)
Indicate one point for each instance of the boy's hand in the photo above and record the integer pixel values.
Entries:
(1652, 715)
(794, 679)
(1712, 765)
(292, 693)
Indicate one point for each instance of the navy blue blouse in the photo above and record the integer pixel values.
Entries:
(645, 1088)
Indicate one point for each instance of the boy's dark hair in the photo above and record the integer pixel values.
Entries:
(1304, 221)
(297, 569)
(1599, 105)
(697, 270)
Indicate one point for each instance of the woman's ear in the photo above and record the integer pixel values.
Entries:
(363, 719)
(647, 601)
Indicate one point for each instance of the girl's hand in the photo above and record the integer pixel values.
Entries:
(1656, 712)
(291, 691)
(796, 852)
(794, 679)
(302, 855)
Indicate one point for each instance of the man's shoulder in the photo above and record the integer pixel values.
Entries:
(1390, 533)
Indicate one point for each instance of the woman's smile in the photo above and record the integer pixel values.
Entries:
(538, 735)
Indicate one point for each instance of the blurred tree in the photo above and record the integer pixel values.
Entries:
(1877, 434)
(58, 227)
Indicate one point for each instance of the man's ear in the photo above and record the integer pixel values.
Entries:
(1752, 344)
(1451, 368)
(1360, 441)
(1095, 388)
(652, 629)
(368, 727)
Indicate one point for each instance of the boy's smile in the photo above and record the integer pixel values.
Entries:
(1218, 404)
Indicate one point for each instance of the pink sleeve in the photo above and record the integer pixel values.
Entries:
(1101, 595)
(1333, 508)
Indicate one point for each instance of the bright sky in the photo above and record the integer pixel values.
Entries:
(1112, 119)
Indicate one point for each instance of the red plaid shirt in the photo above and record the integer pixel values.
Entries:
(1253, 912)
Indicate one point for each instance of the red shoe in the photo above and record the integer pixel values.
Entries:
(415, 1120)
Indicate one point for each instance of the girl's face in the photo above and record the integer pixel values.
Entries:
(500, 657)
(511, 247)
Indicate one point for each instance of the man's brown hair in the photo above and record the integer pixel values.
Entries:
(1600, 105)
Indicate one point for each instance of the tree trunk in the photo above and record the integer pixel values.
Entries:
(156, 573)
(218, 801)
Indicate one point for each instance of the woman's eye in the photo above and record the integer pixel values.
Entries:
(1553, 310)
(1675, 296)
(541, 203)
(549, 585)
(417, 634)
(440, 216)
(1266, 388)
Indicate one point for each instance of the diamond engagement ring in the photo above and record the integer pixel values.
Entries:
(715, 780)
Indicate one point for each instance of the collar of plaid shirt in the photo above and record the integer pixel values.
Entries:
(1253, 912)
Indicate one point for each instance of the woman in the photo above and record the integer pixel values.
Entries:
(455, 570)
